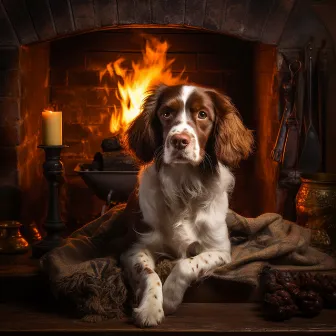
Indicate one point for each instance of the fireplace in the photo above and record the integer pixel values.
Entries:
(234, 46)
(88, 102)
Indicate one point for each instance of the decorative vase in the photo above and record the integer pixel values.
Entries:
(316, 208)
(11, 240)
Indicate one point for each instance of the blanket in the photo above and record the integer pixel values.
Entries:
(85, 274)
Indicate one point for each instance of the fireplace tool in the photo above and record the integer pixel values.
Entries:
(291, 147)
(281, 137)
(285, 151)
(54, 226)
(310, 158)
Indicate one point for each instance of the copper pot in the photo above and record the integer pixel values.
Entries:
(11, 240)
(316, 208)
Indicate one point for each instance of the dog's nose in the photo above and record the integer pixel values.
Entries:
(180, 141)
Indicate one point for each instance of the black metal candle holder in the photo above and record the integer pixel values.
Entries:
(54, 226)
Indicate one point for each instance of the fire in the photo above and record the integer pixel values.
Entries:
(152, 69)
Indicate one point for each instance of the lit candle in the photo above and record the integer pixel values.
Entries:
(51, 128)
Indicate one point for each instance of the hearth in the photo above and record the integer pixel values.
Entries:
(56, 53)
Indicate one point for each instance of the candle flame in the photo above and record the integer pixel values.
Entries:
(152, 69)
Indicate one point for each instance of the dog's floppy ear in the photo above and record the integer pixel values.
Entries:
(144, 135)
(233, 141)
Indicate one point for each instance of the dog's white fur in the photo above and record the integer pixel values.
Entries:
(192, 152)
(181, 210)
(177, 220)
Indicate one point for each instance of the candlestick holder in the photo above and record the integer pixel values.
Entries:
(53, 172)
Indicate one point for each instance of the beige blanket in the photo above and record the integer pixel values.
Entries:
(84, 273)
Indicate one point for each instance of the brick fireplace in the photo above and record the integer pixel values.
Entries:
(52, 52)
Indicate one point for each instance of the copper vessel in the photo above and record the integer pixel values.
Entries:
(11, 240)
(316, 208)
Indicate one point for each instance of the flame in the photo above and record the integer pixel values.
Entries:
(152, 69)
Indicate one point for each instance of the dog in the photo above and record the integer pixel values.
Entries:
(186, 138)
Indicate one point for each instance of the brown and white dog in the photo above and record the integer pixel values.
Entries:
(187, 136)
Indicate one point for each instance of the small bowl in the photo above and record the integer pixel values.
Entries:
(119, 184)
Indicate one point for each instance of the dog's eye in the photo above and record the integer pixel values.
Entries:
(202, 115)
(166, 114)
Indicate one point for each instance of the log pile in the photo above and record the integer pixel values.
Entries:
(113, 157)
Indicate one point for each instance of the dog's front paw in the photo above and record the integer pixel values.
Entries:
(148, 314)
(172, 297)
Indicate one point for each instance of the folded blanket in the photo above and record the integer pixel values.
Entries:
(85, 270)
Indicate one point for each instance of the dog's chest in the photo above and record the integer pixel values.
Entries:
(176, 229)
(180, 217)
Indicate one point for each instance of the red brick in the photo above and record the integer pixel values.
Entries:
(75, 149)
(95, 116)
(67, 96)
(99, 60)
(9, 111)
(101, 97)
(74, 132)
(83, 78)
(57, 77)
(68, 58)
(12, 135)
(212, 79)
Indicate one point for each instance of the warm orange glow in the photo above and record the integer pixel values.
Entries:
(152, 69)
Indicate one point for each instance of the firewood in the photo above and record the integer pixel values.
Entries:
(114, 161)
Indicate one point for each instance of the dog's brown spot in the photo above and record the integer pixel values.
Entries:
(201, 273)
(193, 269)
(197, 266)
(209, 255)
(148, 270)
(160, 310)
(206, 261)
(155, 296)
(220, 258)
(158, 283)
(138, 268)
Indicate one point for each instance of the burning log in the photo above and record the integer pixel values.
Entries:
(111, 144)
(113, 157)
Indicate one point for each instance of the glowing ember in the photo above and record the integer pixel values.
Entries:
(154, 68)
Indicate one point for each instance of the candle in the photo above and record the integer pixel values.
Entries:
(51, 128)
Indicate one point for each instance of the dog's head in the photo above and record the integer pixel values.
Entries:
(184, 124)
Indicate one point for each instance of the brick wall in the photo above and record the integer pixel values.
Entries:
(75, 65)
(9, 120)
(34, 72)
